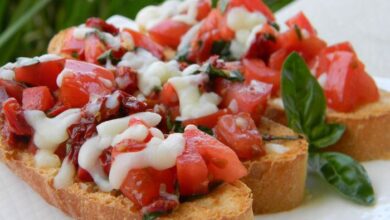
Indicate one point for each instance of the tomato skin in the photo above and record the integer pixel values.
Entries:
(14, 118)
(142, 186)
(169, 32)
(251, 98)
(302, 22)
(37, 98)
(83, 175)
(192, 172)
(348, 86)
(208, 121)
(264, 44)
(240, 133)
(13, 89)
(222, 163)
(72, 46)
(168, 96)
(256, 69)
(204, 7)
(252, 6)
(94, 48)
(141, 40)
(126, 74)
(41, 74)
(102, 25)
(85, 80)
(214, 28)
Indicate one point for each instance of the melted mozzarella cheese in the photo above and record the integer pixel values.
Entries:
(46, 159)
(139, 60)
(187, 37)
(152, 15)
(157, 74)
(50, 132)
(187, 12)
(122, 22)
(88, 159)
(322, 80)
(158, 154)
(193, 104)
(65, 175)
(136, 132)
(7, 74)
(276, 148)
(245, 24)
(116, 126)
(81, 32)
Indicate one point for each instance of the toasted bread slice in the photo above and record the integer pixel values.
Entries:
(277, 180)
(84, 201)
(366, 135)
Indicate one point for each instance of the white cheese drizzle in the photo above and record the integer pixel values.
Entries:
(158, 154)
(122, 22)
(65, 175)
(193, 104)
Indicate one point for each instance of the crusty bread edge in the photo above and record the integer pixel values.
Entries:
(81, 204)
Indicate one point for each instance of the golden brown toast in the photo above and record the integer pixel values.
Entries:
(366, 135)
(278, 180)
(83, 201)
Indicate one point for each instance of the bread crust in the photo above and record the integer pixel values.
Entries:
(278, 180)
(55, 44)
(83, 201)
(366, 135)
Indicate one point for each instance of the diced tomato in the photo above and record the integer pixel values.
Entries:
(192, 172)
(126, 79)
(214, 28)
(169, 32)
(264, 44)
(14, 118)
(142, 186)
(57, 109)
(204, 7)
(309, 47)
(221, 86)
(168, 95)
(84, 79)
(72, 46)
(253, 6)
(348, 86)
(41, 73)
(240, 133)
(83, 175)
(102, 25)
(13, 89)
(141, 40)
(208, 121)
(37, 98)
(3, 95)
(321, 63)
(94, 48)
(302, 22)
(223, 164)
(255, 69)
(251, 98)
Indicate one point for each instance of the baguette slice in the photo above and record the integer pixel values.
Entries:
(277, 180)
(366, 135)
(83, 201)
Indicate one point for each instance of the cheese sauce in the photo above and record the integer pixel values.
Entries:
(323, 203)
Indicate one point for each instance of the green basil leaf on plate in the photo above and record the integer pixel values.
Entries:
(305, 104)
(345, 174)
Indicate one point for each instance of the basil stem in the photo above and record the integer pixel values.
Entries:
(234, 75)
(345, 174)
(269, 137)
(305, 107)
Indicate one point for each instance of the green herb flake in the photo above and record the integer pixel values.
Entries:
(223, 4)
(234, 75)
(298, 31)
(152, 216)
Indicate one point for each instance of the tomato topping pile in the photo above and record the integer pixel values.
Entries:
(102, 70)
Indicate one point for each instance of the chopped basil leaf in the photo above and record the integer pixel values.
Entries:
(102, 59)
(269, 37)
(206, 130)
(182, 55)
(345, 174)
(222, 48)
(75, 54)
(214, 3)
(234, 75)
(152, 216)
(305, 107)
(275, 25)
(298, 32)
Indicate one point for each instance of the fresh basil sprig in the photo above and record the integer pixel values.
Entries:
(305, 107)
